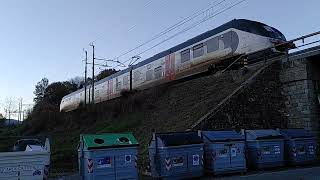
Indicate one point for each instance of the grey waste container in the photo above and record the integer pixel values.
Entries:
(265, 148)
(108, 156)
(32, 163)
(176, 155)
(224, 152)
(300, 146)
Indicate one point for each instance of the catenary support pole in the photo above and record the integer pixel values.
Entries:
(92, 93)
(85, 79)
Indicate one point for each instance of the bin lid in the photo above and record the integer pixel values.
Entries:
(179, 138)
(263, 134)
(219, 136)
(101, 141)
(296, 133)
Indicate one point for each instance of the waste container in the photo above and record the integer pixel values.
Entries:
(299, 146)
(265, 148)
(224, 152)
(176, 155)
(108, 156)
(29, 162)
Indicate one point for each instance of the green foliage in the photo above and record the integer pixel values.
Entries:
(105, 73)
(122, 124)
(2, 121)
(40, 88)
(56, 91)
(52, 96)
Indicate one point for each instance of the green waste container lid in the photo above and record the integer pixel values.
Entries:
(101, 141)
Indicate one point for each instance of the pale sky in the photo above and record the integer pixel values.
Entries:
(46, 38)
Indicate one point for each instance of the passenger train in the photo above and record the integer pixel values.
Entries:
(228, 41)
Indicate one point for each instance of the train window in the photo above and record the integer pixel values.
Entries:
(158, 72)
(185, 55)
(125, 80)
(213, 45)
(136, 76)
(198, 50)
(227, 40)
(274, 33)
(149, 75)
(118, 84)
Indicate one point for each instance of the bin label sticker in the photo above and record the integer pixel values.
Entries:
(266, 150)
(90, 166)
(223, 153)
(301, 150)
(104, 162)
(214, 155)
(202, 160)
(195, 160)
(136, 161)
(233, 152)
(18, 168)
(14, 171)
(127, 159)
(178, 161)
(36, 173)
(311, 149)
(167, 162)
(277, 150)
(46, 172)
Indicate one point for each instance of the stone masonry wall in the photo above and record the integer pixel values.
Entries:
(298, 87)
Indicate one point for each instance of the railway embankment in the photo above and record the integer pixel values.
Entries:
(170, 107)
(257, 103)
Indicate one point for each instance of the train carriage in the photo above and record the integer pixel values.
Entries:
(210, 49)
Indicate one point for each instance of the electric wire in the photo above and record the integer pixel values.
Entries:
(173, 27)
(188, 28)
(129, 29)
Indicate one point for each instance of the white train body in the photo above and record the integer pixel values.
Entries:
(232, 39)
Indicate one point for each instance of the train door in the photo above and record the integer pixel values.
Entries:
(170, 67)
(110, 88)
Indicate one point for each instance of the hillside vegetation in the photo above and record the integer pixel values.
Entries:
(169, 107)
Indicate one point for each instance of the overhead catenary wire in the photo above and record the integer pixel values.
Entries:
(131, 27)
(175, 26)
(154, 13)
(189, 27)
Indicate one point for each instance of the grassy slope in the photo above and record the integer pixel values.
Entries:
(165, 108)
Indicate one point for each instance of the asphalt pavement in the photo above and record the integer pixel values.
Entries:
(310, 173)
(307, 173)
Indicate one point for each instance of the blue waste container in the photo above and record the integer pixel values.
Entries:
(224, 152)
(176, 155)
(264, 148)
(108, 156)
(300, 146)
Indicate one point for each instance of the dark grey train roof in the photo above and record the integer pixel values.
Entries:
(241, 24)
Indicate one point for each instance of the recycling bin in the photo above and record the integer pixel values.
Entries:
(300, 146)
(108, 156)
(264, 148)
(224, 152)
(176, 155)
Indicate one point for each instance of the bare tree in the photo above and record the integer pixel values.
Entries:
(9, 107)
